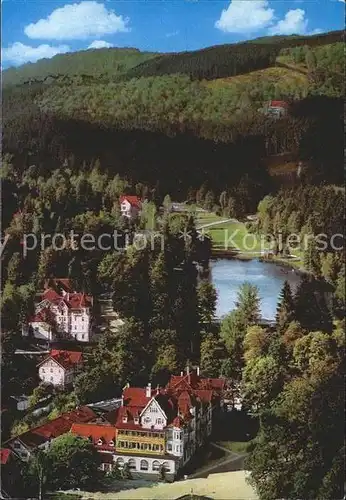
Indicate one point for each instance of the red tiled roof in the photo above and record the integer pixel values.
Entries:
(72, 300)
(133, 200)
(51, 295)
(96, 432)
(67, 359)
(5, 455)
(278, 104)
(178, 422)
(135, 396)
(54, 428)
(204, 395)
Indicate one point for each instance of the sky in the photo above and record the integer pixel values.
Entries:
(34, 29)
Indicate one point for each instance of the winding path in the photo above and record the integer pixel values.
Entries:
(234, 461)
(215, 223)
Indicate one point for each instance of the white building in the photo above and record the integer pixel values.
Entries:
(61, 314)
(157, 429)
(60, 367)
(130, 206)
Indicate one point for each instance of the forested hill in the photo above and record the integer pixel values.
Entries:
(176, 132)
(124, 63)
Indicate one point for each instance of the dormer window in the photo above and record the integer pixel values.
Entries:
(136, 420)
(125, 419)
(100, 442)
(111, 443)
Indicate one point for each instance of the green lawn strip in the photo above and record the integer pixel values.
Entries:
(235, 446)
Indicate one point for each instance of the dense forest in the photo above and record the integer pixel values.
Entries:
(173, 133)
(82, 129)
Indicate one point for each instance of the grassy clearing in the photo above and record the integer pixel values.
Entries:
(287, 76)
(228, 236)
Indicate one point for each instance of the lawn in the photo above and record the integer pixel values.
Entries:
(234, 236)
(228, 236)
(235, 446)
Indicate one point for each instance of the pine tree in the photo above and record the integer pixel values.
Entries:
(285, 309)
(206, 296)
(248, 303)
(312, 262)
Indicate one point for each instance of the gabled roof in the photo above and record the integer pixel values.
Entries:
(66, 359)
(133, 200)
(96, 432)
(155, 401)
(5, 454)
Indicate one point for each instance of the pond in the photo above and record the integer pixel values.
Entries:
(228, 274)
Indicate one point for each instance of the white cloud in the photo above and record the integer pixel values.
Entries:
(245, 17)
(293, 22)
(100, 44)
(77, 21)
(18, 53)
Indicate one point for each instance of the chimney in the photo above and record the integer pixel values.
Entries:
(198, 370)
(188, 373)
(148, 391)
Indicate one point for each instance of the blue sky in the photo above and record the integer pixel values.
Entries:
(34, 29)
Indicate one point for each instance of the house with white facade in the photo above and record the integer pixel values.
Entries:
(130, 206)
(157, 429)
(60, 367)
(62, 313)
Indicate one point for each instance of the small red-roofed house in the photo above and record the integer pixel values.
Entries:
(277, 108)
(130, 206)
(60, 367)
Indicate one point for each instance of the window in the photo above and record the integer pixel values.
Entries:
(147, 419)
(51, 370)
(159, 421)
(16, 445)
(83, 336)
(169, 447)
(153, 409)
(120, 463)
(165, 466)
(100, 442)
(111, 443)
(132, 464)
(156, 465)
(43, 370)
(144, 465)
